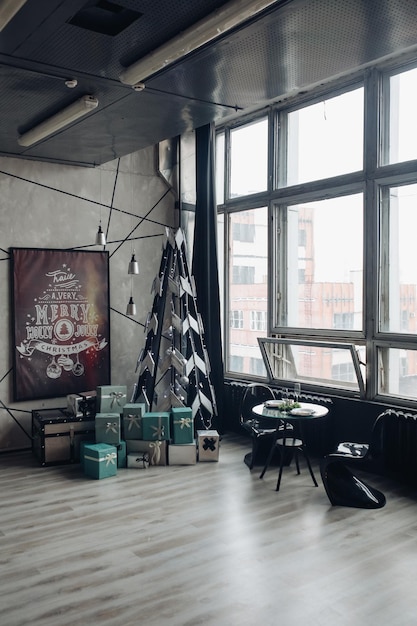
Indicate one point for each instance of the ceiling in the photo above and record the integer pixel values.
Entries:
(286, 48)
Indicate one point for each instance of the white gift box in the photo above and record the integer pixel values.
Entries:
(157, 450)
(138, 460)
(182, 453)
(208, 442)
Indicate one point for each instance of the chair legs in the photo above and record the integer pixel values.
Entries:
(292, 447)
(303, 450)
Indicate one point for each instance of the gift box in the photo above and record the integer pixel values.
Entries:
(82, 446)
(108, 428)
(157, 450)
(138, 460)
(73, 404)
(111, 398)
(182, 422)
(208, 445)
(121, 454)
(182, 454)
(100, 460)
(155, 426)
(88, 404)
(132, 420)
(82, 404)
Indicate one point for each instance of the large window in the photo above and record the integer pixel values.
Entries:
(326, 253)
(402, 134)
(322, 284)
(249, 159)
(248, 289)
(325, 139)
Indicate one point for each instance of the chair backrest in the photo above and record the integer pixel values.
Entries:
(376, 444)
(255, 393)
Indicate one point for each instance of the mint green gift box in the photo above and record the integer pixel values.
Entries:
(100, 460)
(111, 398)
(155, 426)
(182, 425)
(132, 420)
(108, 428)
(121, 454)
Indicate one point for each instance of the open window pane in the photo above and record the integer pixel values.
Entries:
(319, 362)
(249, 159)
(402, 117)
(324, 265)
(398, 372)
(248, 245)
(326, 139)
(398, 292)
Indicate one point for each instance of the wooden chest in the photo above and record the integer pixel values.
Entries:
(56, 435)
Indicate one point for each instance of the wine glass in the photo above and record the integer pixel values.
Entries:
(297, 391)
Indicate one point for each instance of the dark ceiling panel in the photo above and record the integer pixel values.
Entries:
(302, 44)
(293, 45)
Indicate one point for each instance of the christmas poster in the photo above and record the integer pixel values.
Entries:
(61, 323)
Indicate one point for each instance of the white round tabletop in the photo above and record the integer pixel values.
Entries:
(315, 411)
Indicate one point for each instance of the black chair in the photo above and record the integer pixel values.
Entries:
(289, 441)
(343, 488)
(262, 430)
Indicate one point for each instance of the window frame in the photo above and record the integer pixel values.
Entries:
(377, 173)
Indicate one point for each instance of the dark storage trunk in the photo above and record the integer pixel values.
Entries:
(57, 435)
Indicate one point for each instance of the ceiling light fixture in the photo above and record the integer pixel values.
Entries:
(8, 9)
(219, 22)
(77, 109)
(100, 236)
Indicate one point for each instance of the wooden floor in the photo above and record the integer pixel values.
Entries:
(207, 544)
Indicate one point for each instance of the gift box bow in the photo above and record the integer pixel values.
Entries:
(112, 426)
(134, 420)
(156, 452)
(159, 431)
(184, 422)
(144, 459)
(108, 458)
(115, 396)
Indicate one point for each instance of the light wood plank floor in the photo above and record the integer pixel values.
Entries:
(207, 544)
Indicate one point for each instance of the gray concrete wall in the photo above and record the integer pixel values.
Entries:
(55, 206)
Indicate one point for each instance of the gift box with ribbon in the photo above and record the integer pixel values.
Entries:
(208, 445)
(111, 398)
(182, 453)
(82, 404)
(182, 422)
(157, 450)
(100, 460)
(138, 460)
(132, 420)
(108, 428)
(155, 426)
(121, 453)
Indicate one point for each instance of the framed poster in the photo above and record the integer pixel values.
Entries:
(61, 322)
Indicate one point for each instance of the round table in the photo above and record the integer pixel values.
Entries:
(293, 440)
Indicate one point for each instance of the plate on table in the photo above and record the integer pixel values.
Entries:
(302, 412)
(273, 404)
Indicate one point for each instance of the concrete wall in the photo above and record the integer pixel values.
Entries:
(55, 206)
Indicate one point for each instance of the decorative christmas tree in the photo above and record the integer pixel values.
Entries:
(174, 367)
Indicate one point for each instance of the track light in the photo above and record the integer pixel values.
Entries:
(77, 109)
(218, 23)
(8, 9)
